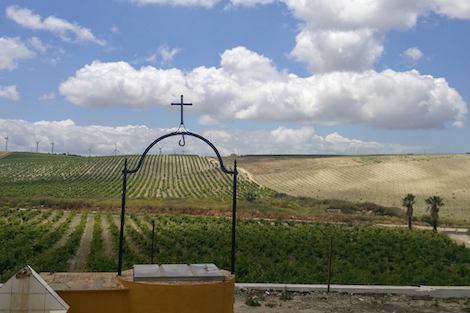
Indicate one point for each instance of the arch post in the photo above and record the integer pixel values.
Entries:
(128, 171)
(234, 216)
(123, 214)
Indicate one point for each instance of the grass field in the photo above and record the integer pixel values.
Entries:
(379, 179)
(268, 251)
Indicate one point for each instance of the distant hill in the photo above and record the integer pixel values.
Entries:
(168, 176)
(379, 179)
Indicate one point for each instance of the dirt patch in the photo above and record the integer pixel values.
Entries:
(460, 239)
(78, 263)
(317, 302)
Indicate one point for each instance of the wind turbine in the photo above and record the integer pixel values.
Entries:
(6, 144)
(116, 150)
(37, 145)
(52, 147)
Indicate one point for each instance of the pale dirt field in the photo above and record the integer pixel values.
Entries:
(319, 302)
(380, 179)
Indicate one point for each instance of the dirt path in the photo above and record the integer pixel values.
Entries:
(106, 236)
(70, 230)
(341, 303)
(78, 262)
(460, 239)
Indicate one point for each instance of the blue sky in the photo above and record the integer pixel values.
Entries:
(317, 77)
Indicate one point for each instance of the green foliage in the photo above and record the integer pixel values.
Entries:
(250, 197)
(253, 301)
(268, 251)
(45, 176)
(97, 260)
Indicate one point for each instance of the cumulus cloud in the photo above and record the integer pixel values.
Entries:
(202, 3)
(247, 86)
(413, 55)
(67, 31)
(133, 139)
(9, 92)
(13, 50)
(345, 35)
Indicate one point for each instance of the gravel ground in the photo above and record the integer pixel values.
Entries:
(319, 302)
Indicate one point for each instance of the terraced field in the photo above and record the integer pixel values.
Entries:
(289, 252)
(67, 177)
(379, 179)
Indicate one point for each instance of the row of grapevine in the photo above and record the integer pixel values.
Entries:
(162, 176)
(268, 251)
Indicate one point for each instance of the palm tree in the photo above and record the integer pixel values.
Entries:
(408, 202)
(434, 203)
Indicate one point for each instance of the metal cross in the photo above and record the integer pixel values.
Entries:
(181, 104)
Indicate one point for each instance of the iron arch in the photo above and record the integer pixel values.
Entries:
(126, 171)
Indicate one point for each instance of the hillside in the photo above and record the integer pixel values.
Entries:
(71, 177)
(379, 179)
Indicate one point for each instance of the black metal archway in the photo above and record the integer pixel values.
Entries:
(233, 171)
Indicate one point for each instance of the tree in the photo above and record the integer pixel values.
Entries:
(408, 202)
(434, 203)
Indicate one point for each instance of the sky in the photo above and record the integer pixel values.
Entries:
(264, 76)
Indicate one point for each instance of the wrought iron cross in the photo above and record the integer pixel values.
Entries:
(181, 104)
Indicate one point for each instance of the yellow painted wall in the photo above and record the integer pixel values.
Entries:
(96, 301)
(216, 297)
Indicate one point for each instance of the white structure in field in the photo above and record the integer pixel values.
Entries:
(27, 292)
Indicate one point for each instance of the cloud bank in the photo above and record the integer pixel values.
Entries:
(133, 139)
(247, 86)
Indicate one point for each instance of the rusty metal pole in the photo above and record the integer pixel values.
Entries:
(123, 214)
(234, 216)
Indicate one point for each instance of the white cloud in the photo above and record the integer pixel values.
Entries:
(413, 55)
(202, 3)
(9, 92)
(345, 35)
(47, 96)
(248, 86)
(133, 139)
(37, 45)
(164, 55)
(250, 3)
(67, 31)
(453, 8)
(11, 51)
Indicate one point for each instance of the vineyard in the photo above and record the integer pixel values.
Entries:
(383, 180)
(68, 177)
(268, 251)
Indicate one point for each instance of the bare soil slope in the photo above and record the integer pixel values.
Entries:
(380, 179)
